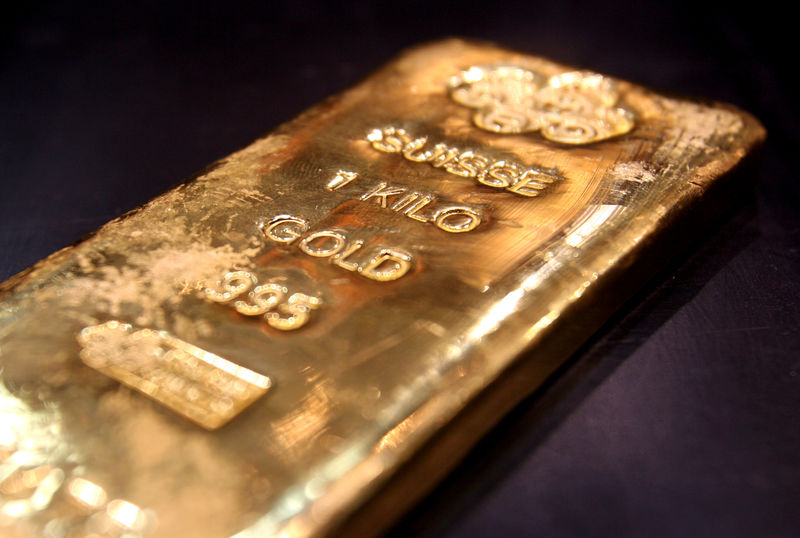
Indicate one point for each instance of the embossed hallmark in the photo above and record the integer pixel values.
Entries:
(416, 205)
(578, 107)
(281, 310)
(500, 174)
(191, 381)
(382, 263)
(342, 178)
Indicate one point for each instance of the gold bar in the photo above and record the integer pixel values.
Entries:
(260, 350)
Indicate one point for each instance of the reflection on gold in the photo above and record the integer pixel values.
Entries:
(46, 489)
(87, 493)
(394, 437)
(126, 514)
(301, 511)
(23, 482)
(297, 431)
(30, 448)
(590, 223)
(496, 314)
(31, 475)
(39, 498)
(16, 509)
(543, 322)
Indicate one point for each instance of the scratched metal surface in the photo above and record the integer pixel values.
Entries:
(668, 305)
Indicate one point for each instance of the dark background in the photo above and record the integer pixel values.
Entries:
(680, 418)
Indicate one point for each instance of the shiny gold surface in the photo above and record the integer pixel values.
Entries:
(258, 350)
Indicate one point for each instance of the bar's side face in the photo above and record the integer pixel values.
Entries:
(258, 349)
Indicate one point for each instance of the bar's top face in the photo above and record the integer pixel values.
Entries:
(254, 350)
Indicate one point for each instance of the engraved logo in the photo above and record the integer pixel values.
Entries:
(577, 107)
(199, 385)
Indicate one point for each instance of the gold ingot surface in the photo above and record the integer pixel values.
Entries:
(259, 350)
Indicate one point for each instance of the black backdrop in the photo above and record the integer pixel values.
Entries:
(680, 418)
